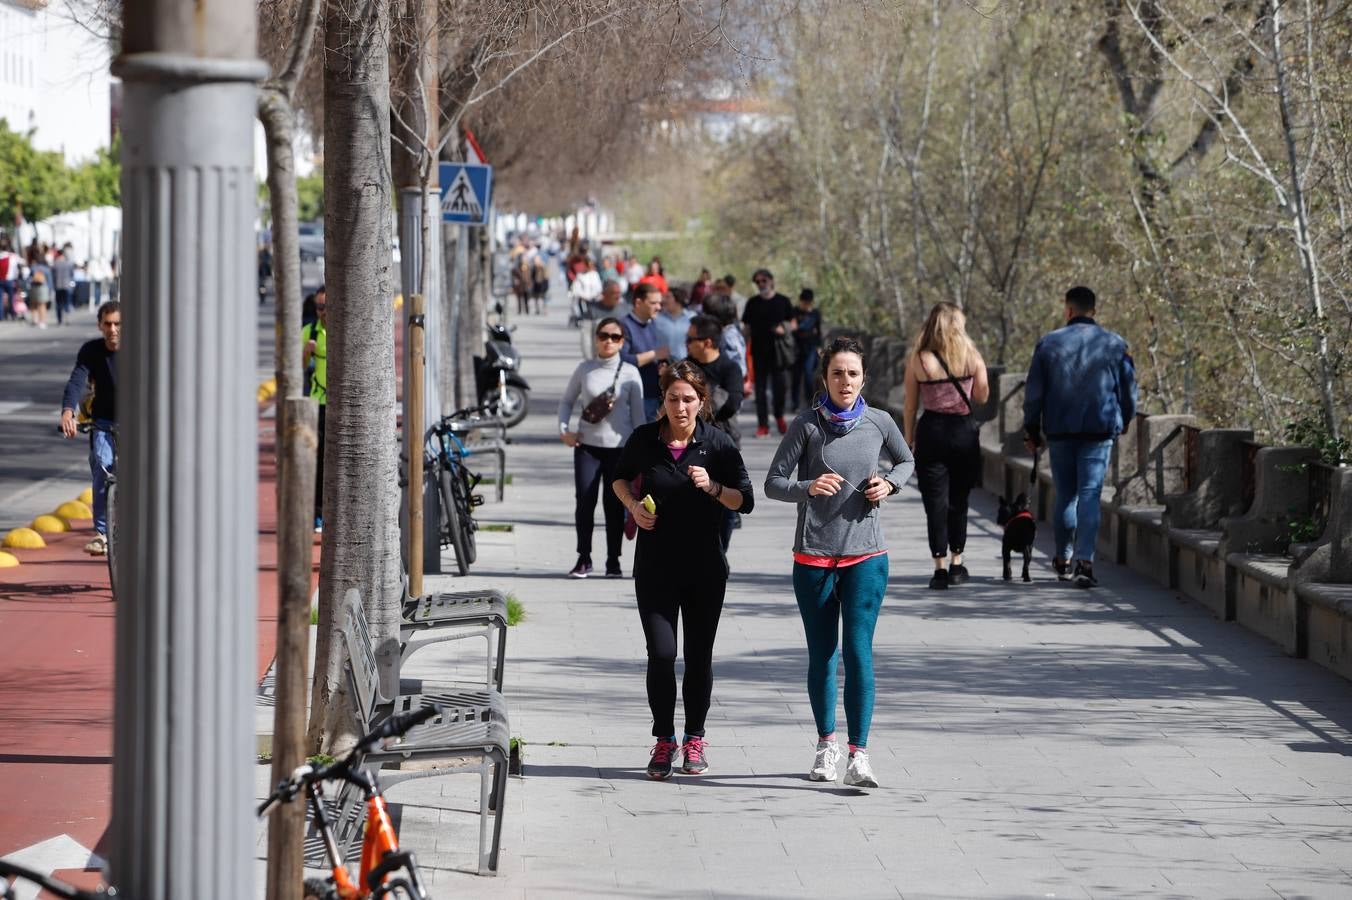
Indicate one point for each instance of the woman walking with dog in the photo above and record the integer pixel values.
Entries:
(827, 463)
(945, 375)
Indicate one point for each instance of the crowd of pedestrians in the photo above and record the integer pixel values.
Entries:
(658, 440)
(45, 280)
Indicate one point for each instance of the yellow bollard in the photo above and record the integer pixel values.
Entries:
(74, 509)
(50, 525)
(86, 497)
(8, 560)
(25, 539)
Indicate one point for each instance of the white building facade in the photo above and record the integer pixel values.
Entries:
(54, 76)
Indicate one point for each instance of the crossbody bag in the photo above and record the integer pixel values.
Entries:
(601, 405)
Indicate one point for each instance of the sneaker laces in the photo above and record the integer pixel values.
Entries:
(663, 750)
(693, 749)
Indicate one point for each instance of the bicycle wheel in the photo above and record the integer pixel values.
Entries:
(460, 488)
(451, 514)
(111, 536)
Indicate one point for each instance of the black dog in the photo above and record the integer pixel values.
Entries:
(1020, 531)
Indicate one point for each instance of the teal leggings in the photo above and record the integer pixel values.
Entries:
(825, 596)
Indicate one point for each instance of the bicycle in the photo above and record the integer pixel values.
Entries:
(9, 870)
(381, 857)
(456, 483)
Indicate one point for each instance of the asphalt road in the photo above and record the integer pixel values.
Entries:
(39, 469)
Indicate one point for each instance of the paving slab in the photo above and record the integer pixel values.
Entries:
(1031, 740)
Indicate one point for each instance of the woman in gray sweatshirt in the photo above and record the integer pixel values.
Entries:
(828, 464)
(597, 383)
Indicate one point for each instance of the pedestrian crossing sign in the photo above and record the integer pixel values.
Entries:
(466, 192)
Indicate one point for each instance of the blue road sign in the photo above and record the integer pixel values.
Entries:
(466, 192)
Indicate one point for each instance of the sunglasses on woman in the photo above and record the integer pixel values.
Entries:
(609, 336)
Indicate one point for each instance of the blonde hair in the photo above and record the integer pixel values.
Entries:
(945, 335)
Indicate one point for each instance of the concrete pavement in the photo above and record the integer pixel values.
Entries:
(1031, 740)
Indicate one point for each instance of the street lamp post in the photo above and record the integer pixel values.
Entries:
(186, 592)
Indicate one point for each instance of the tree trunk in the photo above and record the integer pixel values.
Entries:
(361, 499)
(279, 120)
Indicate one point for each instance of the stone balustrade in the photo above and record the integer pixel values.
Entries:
(1207, 512)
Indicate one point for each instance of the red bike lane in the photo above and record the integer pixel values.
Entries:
(56, 677)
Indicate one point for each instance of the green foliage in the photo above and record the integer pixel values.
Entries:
(98, 182)
(31, 181)
(1309, 430)
(1304, 529)
(319, 759)
(310, 197)
(516, 610)
(38, 183)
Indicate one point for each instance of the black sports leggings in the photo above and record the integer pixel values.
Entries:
(593, 472)
(947, 464)
(697, 599)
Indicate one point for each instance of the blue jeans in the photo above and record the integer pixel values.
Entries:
(102, 456)
(650, 407)
(825, 597)
(1078, 468)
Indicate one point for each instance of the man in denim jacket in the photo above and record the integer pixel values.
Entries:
(1079, 396)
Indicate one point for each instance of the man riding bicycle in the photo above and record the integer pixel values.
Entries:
(96, 368)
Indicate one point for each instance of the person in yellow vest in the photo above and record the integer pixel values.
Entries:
(315, 361)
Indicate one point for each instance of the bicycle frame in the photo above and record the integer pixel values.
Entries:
(380, 853)
(381, 857)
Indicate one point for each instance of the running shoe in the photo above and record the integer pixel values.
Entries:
(659, 767)
(613, 569)
(939, 581)
(825, 763)
(1084, 575)
(859, 773)
(98, 546)
(692, 753)
(957, 574)
(781, 424)
(1062, 567)
(762, 430)
(582, 569)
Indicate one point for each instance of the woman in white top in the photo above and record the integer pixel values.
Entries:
(610, 393)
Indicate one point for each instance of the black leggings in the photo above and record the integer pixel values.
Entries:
(769, 375)
(698, 601)
(593, 471)
(319, 464)
(947, 463)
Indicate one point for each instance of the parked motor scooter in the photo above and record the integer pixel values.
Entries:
(497, 377)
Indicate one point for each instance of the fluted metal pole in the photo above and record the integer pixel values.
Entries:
(186, 592)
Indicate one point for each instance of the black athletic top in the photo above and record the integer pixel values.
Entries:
(97, 365)
(687, 536)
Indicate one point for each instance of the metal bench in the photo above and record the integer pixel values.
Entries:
(455, 616)
(472, 724)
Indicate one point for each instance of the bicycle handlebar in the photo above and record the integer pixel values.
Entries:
(394, 726)
(64, 891)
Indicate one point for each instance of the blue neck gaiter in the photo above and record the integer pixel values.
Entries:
(836, 420)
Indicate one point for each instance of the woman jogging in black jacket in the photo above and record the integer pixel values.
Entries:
(693, 473)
